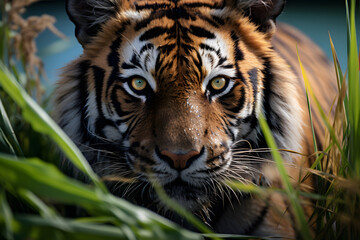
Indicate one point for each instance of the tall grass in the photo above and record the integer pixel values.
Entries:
(337, 168)
(32, 188)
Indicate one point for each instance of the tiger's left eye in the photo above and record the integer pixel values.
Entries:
(138, 83)
(218, 83)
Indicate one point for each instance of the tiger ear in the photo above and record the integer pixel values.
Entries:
(89, 15)
(262, 12)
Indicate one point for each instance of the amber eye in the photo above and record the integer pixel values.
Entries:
(218, 83)
(138, 83)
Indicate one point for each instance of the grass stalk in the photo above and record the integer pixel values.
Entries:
(42, 123)
(293, 195)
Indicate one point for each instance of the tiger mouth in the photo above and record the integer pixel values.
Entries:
(184, 191)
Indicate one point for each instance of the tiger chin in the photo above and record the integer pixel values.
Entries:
(171, 91)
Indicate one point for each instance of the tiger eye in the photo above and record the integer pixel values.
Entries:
(218, 83)
(138, 83)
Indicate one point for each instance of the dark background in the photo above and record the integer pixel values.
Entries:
(317, 19)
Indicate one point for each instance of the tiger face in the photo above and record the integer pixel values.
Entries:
(177, 101)
(170, 91)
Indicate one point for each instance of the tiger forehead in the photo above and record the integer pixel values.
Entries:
(182, 51)
(182, 63)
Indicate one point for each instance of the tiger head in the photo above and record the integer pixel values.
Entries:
(170, 91)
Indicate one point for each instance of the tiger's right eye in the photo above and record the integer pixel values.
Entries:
(138, 83)
(218, 83)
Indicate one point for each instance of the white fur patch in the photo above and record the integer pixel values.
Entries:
(211, 59)
(112, 133)
(92, 111)
(147, 60)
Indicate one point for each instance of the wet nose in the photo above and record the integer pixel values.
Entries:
(179, 161)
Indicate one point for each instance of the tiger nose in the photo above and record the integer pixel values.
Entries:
(179, 161)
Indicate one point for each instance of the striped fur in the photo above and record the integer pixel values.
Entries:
(178, 47)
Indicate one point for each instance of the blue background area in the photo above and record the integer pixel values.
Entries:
(315, 18)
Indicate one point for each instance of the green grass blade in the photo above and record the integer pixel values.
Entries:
(247, 188)
(291, 193)
(354, 93)
(347, 25)
(5, 145)
(45, 180)
(6, 218)
(8, 132)
(37, 204)
(100, 219)
(338, 71)
(318, 166)
(321, 111)
(33, 227)
(343, 96)
(42, 123)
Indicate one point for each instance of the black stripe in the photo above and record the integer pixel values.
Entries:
(119, 122)
(181, 33)
(146, 60)
(227, 129)
(207, 5)
(131, 126)
(219, 20)
(179, 13)
(146, 47)
(273, 119)
(199, 64)
(234, 117)
(101, 123)
(207, 47)
(162, 68)
(253, 75)
(217, 52)
(116, 103)
(209, 20)
(229, 133)
(127, 66)
(153, 33)
(187, 48)
(241, 102)
(258, 220)
(228, 66)
(114, 58)
(158, 64)
(167, 48)
(99, 74)
(238, 53)
(81, 103)
(145, 22)
(135, 60)
(253, 121)
(201, 32)
(155, 6)
(221, 60)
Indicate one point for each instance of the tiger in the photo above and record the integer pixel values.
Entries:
(170, 92)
